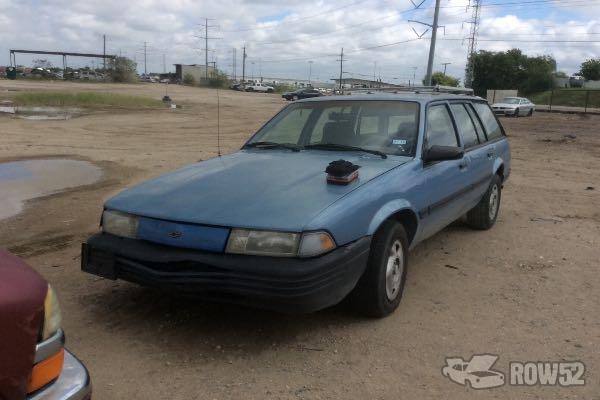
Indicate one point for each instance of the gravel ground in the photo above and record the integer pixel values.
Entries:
(526, 290)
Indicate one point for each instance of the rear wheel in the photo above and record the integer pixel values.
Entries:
(483, 216)
(269, 90)
(380, 289)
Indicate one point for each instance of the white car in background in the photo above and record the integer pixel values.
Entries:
(259, 87)
(515, 106)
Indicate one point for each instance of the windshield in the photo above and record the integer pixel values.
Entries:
(510, 100)
(386, 126)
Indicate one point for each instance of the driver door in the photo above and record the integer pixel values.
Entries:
(444, 183)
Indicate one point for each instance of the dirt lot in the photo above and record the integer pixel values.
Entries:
(527, 290)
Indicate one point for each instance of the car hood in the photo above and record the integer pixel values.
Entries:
(481, 363)
(254, 188)
(506, 105)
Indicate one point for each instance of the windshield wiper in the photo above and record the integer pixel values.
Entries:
(343, 147)
(270, 145)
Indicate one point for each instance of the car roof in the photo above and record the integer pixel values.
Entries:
(423, 97)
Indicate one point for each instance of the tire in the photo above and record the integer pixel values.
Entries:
(269, 90)
(250, 89)
(378, 292)
(530, 113)
(294, 98)
(483, 216)
(517, 111)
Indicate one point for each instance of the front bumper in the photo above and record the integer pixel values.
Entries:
(73, 383)
(284, 284)
(505, 111)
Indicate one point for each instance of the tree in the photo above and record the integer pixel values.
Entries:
(590, 69)
(439, 78)
(42, 63)
(512, 70)
(188, 79)
(122, 69)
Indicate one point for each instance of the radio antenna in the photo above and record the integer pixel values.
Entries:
(218, 125)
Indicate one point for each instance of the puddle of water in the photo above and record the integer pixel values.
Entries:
(24, 180)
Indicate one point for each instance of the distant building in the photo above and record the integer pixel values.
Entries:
(198, 72)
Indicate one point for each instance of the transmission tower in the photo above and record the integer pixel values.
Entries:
(475, 18)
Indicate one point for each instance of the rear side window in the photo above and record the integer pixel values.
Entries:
(465, 125)
(440, 130)
(490, 123)
(478, 126)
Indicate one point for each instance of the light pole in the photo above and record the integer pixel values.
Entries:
(309, 72)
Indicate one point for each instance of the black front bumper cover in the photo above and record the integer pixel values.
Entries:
(284, 284)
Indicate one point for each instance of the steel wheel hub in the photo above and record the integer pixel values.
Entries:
(494, 197)
(394, 270)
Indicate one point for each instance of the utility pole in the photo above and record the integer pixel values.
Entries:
(233, 66)
(341, 60)
(434, 28)
(244, 55)
(445, 65)
(104, 56)
(206, 38)
(309, 71)
(164, 64)
(475, 16)
(145, 65)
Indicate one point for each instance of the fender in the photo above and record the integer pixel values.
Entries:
(498, 162)
(387, 210)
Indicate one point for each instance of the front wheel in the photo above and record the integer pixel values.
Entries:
(483, 216)
(269, 90)
(530, 112)
(379, 290)
(517, 113)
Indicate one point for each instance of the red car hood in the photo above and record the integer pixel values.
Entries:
(22, 293)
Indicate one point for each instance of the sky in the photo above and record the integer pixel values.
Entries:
(292, 39)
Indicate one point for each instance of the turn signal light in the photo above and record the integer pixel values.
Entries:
(46, 371)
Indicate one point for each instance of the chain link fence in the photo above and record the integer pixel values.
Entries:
(568, 100)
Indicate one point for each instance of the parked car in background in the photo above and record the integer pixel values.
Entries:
(515, 106)
(301, 94)
(324, 201)
(259, 87)
(33, 361)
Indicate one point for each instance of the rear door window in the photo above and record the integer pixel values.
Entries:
(440, 129)
(465, 125)
(489, 121)
(477, 122)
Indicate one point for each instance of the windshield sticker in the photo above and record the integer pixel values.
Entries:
(399, 141)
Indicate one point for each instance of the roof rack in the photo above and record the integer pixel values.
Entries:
(413, 89)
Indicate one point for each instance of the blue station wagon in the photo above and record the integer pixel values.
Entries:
(323, 202)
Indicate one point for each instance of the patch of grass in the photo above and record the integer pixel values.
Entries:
(568, 97)
(83, 99)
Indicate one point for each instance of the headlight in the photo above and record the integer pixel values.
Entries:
(265, 243)
(52, 317)
(119, 224)
(280, 244)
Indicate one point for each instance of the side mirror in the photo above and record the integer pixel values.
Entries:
(442, 153)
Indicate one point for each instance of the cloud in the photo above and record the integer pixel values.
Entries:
(281, 37)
